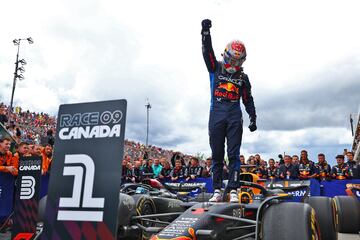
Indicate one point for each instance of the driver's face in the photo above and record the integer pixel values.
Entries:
(340, 161)
(321, 159)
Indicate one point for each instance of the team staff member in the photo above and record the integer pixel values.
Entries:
(354, 168)
(272, 171)
(260, 170)
(288, 170)
(207, 170)
(323, 168)
(341, 170)
(6, 158)
(307, 168)
(165, 171)
(178, 171)
(129, 177)
(228, 83)
(194, 170)
(137, 171)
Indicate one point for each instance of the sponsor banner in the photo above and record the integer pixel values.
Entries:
(353, 189)
(311, 186)
(84, 184)
(203, 183)
(336, 188)
(7, 182)
(27, 197)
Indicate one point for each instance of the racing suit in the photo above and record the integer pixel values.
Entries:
(306, 169)
(354, 169)
(178, 172)
(225, 121)
(272, 172)
(324, 170)
(194, 171)
(260, 171)
(340, 172)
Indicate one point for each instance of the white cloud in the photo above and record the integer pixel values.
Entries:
(93, 50)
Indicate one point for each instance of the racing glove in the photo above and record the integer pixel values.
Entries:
(252, 125)
(206, 25)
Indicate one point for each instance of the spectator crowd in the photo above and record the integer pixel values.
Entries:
(34, 136)
(286, 168)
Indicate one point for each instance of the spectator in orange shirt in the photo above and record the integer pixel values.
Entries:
(47, 156)
(37, 151)
(22, 150)
(6, 161)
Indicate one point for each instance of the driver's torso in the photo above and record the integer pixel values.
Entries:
(226, 89)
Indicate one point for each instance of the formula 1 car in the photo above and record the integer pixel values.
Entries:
(263, 214)
(152, 215)
(148, 198)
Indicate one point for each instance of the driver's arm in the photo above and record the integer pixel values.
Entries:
(248, 99)
(207, 49)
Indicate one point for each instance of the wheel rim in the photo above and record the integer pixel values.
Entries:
(147, 210)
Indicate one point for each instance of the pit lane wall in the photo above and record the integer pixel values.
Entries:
(317, 188)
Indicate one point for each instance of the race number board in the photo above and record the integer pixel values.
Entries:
(85, 177)
(27, 198)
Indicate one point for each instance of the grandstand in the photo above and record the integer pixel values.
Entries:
(356, 142)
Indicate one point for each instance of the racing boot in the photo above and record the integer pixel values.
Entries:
(216, 197)
(234, 198)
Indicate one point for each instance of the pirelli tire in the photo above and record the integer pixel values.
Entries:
(348, 214)
(144, 206)
(289, 220)
(326, 215)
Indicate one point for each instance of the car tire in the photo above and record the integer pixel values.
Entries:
(144, 206)
(348, 214)
(289, 220)
(326, 216)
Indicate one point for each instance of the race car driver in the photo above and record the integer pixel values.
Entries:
(228, 83)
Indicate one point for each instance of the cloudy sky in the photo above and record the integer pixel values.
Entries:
(303, 62)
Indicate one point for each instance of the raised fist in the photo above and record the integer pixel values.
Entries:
(206, 24)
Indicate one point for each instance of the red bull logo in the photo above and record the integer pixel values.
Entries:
(230, 87)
